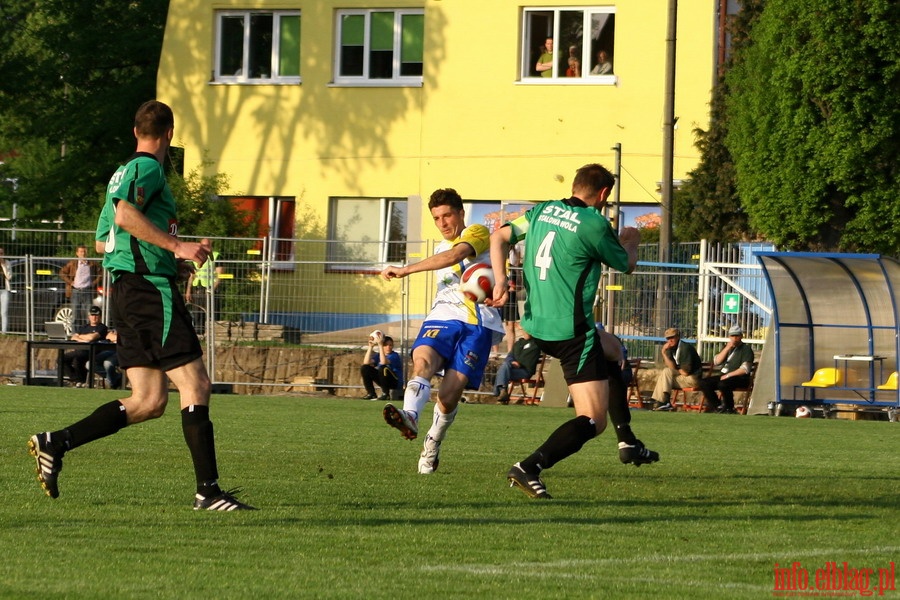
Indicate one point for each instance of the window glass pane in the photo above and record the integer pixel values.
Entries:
(381, 43)
(382, 37)
(603, 29)
(352, 38)
(289, 46)
(397, 231)
(231, 51)
(352, 220)
(538, 29)
(412, 32)
(352, 30)
(260, 46)
(571, 33)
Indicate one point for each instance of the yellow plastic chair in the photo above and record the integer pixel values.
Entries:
(823, 378)
(891, 383)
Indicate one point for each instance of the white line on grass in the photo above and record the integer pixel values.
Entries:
(552, 568)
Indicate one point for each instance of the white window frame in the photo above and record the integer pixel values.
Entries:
(274, 77)
(386, 208)
(526, 66)
(365, 80)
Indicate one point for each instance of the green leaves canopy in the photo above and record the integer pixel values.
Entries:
(72, 75)
(813, 124)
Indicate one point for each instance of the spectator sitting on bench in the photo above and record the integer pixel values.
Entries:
(734, 363)
(519, 364)
(106, 362)
(75, 361)
(682, 369)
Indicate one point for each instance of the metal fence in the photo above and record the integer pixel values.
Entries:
(280, 294)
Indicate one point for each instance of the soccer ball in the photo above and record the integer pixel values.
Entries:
(477, 282)
(803, 412)
(376, 336)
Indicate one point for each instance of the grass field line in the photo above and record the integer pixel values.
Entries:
(552, 568)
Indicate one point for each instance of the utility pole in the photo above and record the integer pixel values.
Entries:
(615, 214)
(668, 154)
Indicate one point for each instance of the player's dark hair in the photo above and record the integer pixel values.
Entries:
(445, 197)
(387, 340)
(153, 119)
(592, 178)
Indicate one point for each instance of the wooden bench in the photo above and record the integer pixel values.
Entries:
(692, 398)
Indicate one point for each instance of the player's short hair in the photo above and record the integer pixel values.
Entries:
(592, 178)
(153, 119)
(445, 197)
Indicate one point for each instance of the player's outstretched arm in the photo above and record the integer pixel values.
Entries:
(453, 255)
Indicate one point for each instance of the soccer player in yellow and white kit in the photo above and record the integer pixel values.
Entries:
(457, 334)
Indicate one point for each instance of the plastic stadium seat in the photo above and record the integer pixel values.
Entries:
(891, 383)
(823, 378)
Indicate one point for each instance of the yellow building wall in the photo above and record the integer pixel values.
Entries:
(474, 124)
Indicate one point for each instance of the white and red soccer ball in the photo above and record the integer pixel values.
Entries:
(803, 412)
(477, 282)
(377, 336)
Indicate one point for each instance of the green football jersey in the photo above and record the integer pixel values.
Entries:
(142, 183)
(566, 242)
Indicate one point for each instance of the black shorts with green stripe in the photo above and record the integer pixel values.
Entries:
(581, 357)
(154, 327)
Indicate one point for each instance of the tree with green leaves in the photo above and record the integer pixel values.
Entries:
(707, 206)
(201, 208)
(814, 125)
(72, 75)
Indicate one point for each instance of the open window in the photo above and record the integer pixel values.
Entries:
(568, 45)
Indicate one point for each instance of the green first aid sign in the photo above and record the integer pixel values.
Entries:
(731, 303)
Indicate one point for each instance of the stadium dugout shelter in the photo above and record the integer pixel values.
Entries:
(833, 339)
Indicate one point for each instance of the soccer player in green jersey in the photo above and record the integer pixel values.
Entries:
(156, 340)
(566, 242)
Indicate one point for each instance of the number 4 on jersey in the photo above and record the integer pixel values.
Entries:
(543, 260)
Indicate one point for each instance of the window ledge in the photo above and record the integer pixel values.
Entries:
(375, 83)
(607, 80)
(256, 82)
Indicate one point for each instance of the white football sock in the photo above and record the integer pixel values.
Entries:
(416, 396)
(440, 422)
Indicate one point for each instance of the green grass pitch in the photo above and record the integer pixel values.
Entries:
(345, 515)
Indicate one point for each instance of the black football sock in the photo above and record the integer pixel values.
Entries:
(619, 413)
(565, 441)
(106, 420)
(198, 433)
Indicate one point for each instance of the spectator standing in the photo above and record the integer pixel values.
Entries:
(82, 276)
(510, 312)
(544, 64)
(4, 292)
(203, 283)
